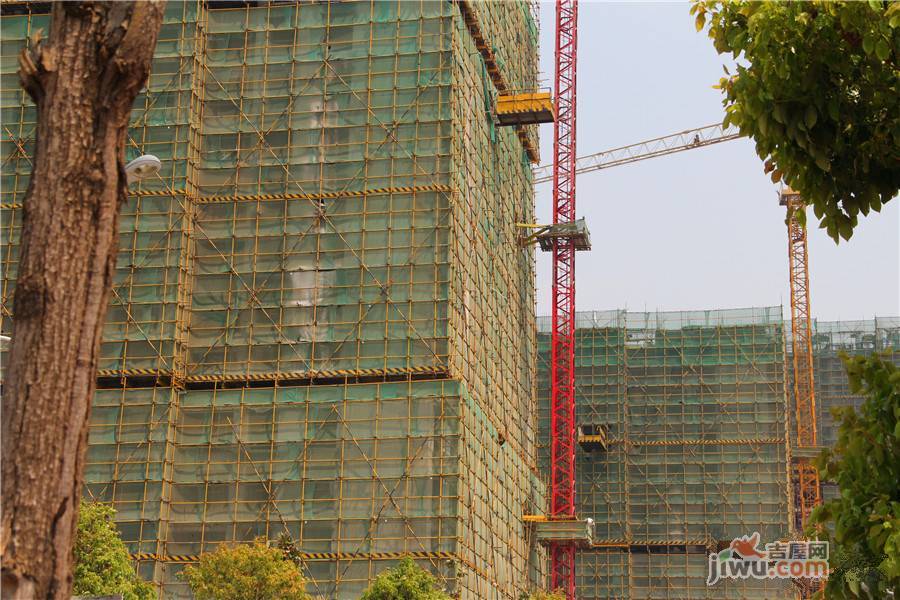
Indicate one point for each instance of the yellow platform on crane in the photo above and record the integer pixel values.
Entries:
(591, 437)
(525, 109)
(534, 518)
(806, 453)
(788, 194)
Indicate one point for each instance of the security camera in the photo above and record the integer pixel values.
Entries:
(142, 167)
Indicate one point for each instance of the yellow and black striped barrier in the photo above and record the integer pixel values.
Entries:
(175, 558)
(383, 191)
(275, 376)
(188, 558)
(316, 556)
(374, 555)
(714, 442)
(627, 544)
(316, 374)
(322, 195)
(133, 373)
(407, 189)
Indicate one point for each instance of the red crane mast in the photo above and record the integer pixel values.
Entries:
(562, 378)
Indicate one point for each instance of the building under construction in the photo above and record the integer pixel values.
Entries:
(323, 321)
(682, 446)
(322, 324)
(830, 339)
(683, 433)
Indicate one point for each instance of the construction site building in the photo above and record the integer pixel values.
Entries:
(321, 322)
(829, 340)
(691, 407)
(684, 426)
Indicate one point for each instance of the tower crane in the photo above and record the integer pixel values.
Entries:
(567, 234)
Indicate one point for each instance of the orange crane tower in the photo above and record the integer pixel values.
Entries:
(805, 476)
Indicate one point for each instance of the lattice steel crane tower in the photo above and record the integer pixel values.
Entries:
(560, 529)
(562, 357)
(805, 477)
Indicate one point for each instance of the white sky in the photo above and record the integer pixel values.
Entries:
(700, 229)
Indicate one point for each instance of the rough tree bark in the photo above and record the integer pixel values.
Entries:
(83, 78)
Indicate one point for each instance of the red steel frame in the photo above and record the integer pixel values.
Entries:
(562, 371)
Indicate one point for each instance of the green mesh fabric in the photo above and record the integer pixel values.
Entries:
(693, 404)
(334, 198)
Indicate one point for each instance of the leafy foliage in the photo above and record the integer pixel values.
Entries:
(289, 548)
(102, 563)
(246, 572)
(817, 89)
(863, 524)
(406, 581)
(544, 595)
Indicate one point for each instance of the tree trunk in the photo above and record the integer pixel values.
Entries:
(83, 79)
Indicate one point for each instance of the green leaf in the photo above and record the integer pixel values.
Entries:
(778, 113)
(868, 44)
(810, 117)
(700, 21)
(882, 50)
(833, 109)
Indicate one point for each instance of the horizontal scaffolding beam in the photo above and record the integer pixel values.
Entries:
(411, 189)
(107, 378)
(656, 546)
(693, 442)
(323, 556)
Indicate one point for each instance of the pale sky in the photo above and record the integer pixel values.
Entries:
(700, 229)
